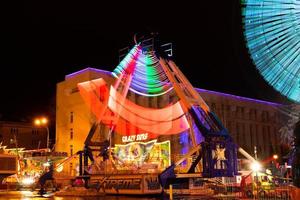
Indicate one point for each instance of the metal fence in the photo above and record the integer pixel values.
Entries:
(282, 192)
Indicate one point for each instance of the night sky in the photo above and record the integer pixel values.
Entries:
(42, 41)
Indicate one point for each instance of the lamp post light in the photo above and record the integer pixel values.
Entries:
(275, 156)
(43, 121)
(255, 167)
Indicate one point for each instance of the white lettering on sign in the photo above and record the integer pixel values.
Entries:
(132, 138)
(141, 137)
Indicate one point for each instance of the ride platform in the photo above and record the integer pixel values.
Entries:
(8, 165)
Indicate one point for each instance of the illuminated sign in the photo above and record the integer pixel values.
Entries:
(133, 138)
(133, 153)
(118, 184)
(136, 154)
(128, 184)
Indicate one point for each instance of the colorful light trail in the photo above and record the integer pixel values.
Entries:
(149, 78)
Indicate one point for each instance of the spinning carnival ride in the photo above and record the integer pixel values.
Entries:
(184, 125)
(272, 32)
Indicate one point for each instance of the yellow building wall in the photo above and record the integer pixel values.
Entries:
(72, 115)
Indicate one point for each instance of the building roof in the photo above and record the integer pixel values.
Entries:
(238, 97)
(197, 89)
(87, 70)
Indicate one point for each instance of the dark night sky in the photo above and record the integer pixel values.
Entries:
(41, 42)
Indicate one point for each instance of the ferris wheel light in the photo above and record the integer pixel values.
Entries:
(148, 77)
(272, 35)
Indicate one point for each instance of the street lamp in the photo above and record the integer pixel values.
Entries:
(275, 156)
(255, 166)
(43, 121)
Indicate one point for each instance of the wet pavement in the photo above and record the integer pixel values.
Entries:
(27, 195)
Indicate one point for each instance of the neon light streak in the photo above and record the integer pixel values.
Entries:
(143, 94)
(163, 121)
(149, 78)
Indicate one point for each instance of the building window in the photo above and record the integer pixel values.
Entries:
(229, 126)
(276, 118)
(239, 113)
(213, 107)
(243, 128)
(275, 135)
(257, 131)
(14, 130)
(71, 150)
(71, 167)
(71, 117)
(223, 117)
(228, 110)
(264, 135)
(34, 131)
(265, 116)
(242, 112)
(238, 133)
(242, 134)
(251, 134)
(74, 90)
(71, 133)
(252, 114)
(251, 117)
(269, 134)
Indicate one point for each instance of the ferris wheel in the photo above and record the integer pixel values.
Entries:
(272, 33)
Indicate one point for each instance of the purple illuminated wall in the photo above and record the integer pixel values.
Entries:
(197, 89)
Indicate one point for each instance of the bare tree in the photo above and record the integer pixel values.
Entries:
(295, 155)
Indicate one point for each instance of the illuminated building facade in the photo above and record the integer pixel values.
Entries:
(22, 135)
(251, 122)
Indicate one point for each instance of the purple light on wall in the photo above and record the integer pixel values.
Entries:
(87, 69)
(197, 89)
(184, 142)
(238, 97)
